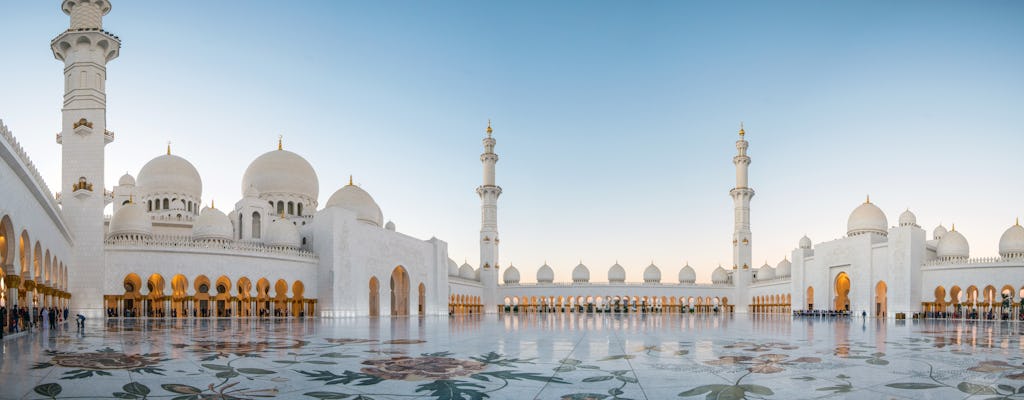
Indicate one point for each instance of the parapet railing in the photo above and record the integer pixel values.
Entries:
(975, 261)
(187, 242)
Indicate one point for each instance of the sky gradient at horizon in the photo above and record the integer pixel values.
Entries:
(615, 122)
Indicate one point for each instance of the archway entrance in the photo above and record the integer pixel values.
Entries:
(880, 299)
(374, 297)
(399, 292)
(810, 297)
(842, 288)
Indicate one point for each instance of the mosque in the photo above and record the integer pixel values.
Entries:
(164, 253)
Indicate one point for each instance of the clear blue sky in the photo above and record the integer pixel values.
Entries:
(615, 121)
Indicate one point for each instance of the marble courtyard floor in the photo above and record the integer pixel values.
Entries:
(545, 356)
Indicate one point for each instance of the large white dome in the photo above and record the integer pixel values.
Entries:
(652, 274)
(687, 274)
(939, 232)
(953, 245)
(282, 172)
(282, 233)
(867, 218)
(453, 268)
(169, 173)
(545, 274)
(357, 200)
(1011, 244)
(511, 275)
(581, 274)
(130, 220)
(466, 271)
(719, 276)
(784, 268)
(212, 224)
(616, 274)
(766, 272)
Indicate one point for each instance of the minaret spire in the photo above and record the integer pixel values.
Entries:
(489, 192)
(85, 48)
(741, 195)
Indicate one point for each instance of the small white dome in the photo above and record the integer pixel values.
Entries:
(1011, 244)
(466, 271)
(130, 220)
(867, 218)
(126, 180)
(908, 218)
(282, 233)
(212, 224)
(390, 226)
(511, 275)
(784, 268)
(652, 274)
(719, 276)
(282, 172)
(616, 274)
(939, 232)
(581, 274)
(169, 173)
(765, 273)
(953, 245)
(805, 242)
(453, 268)
(545, 274)
(687, 274)
(357, 200)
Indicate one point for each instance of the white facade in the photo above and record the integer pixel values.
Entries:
(277, 250)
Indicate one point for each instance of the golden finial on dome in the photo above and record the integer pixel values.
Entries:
(867, 200)
(211, 204)
(350, 179)
(168, 147)
(489, 130)
(742, 132)
(1018, 222)
(953, 229)
(279, 145)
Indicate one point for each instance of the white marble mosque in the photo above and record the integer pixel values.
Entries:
(166, 252)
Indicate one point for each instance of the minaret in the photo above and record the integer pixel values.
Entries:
(741, 195)
(489, 241)
(85, 48)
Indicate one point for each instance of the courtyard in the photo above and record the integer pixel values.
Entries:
(544, 356)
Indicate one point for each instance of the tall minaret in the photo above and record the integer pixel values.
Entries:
(741, 195)
(85, 48)
(489, 241)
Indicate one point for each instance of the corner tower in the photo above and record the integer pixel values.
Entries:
(489, 241)
(85, 48)
(741, 195)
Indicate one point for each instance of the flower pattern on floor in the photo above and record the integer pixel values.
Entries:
(607, 357)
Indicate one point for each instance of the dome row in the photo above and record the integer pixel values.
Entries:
(951, 244)
(616, 274)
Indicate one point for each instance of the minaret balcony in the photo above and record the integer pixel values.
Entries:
(108, 136)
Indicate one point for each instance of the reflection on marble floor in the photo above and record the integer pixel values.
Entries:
(519, 357)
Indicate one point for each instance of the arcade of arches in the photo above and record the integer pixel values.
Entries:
(208, 298)
(31, 275)
(616, 304)
(399, 293)
(1007, 301)
(770, 304)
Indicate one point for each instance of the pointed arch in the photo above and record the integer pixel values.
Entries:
(399, 292)
(374, 297)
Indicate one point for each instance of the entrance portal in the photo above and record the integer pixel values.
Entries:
(399, 292)
(842, 302)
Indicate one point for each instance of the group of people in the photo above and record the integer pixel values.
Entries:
(973, 313)
(821, 313)
(19, 319)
